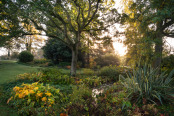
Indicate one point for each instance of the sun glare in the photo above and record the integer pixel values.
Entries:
(119, 48)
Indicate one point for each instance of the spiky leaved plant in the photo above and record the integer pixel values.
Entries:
(145, 83)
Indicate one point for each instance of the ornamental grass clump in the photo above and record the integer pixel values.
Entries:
(146, 83)
(35, 99)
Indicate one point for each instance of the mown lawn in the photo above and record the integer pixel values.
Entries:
(9, 70)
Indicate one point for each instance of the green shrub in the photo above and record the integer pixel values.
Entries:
(25, 56)
(30, 76)
(168, 62)
(64, 64)
(145, 110)
(54, 75)
(92, 81)
(110, 71)
(107, 60)
(40, 61)
(111, 101)
(81, 102)
(88, 72)
(146, 83)
(35, 99)
(49, 75)
(56, 51)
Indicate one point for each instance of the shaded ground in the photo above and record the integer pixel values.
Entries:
(7, 111)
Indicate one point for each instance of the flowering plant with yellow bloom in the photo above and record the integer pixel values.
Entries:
(34, 95)
(48, 94)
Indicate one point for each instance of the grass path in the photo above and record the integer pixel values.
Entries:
(8, 71)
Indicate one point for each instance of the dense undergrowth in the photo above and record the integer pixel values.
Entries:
(53, 92)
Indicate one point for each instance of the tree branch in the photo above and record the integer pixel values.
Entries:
(93, 14)
(169, 34)
(167, 24)
(100, 29)
(89, 11)
(69, 18)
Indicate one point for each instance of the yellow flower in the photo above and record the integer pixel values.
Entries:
(31, 91)
(44, 99)
(39, 94)
(23, 84)
(51, 101)
(48, 94)
(35, 83)
(26, 92)
(21, 95)
(16, 88)
(36, 88)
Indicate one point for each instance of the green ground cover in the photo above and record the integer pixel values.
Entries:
(51, 90)
(10, 69)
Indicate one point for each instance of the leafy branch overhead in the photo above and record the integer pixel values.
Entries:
(66, 20)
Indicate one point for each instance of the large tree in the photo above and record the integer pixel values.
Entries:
(155, 21)
(10, 27)
(68, 20)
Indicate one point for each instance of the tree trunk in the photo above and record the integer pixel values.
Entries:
(28, 47)
(81, 56)
(74, 60)
(158, 47)
(8, 53)
(158, 53)
(88, 59)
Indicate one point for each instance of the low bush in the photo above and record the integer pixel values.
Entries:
(88, 72)
(30, 76)
(40, 61)
(55, 76)
(49, 75)
(35, 99)
(107, 60)
(146, 83)
(64, 64)
(111, 72)
(168, 62)
(25, 56)
(112, 100)
(81, 102)
(145, 110)
(92, 81)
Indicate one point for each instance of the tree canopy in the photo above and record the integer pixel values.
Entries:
(148, 22)
(67, 20)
